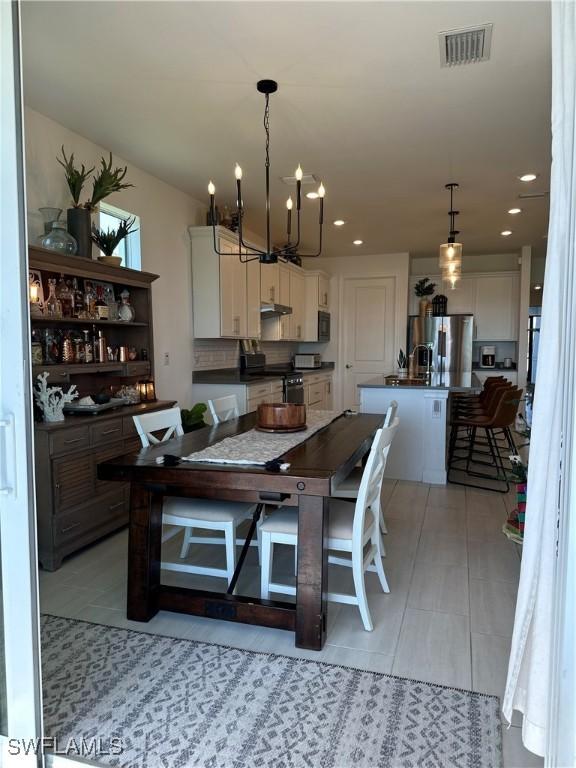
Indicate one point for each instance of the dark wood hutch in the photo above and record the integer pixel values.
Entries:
(74, 508)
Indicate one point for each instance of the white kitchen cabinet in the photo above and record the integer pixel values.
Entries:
(497, 307)
(318, 391)
(253, 269)
(317, 299)
(270, 283)
(493, 298)
(249, 396)
(298, 304)
(323, 291)
(225, 291)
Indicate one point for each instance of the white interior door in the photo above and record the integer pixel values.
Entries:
(369, 332)
(20, 688)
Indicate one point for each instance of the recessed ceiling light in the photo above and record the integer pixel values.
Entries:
(537, 287)
(357, 242)
(514, 211)
(311, 195)
(339, 223)
(506, 233)
(528, 177)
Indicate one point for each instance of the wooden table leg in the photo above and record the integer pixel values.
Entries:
(144, 553)
(312, 576)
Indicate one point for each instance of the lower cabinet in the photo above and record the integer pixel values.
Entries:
(74, 507)
(318, 392)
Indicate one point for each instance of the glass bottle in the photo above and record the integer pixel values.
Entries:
(110, 300)
(126, 310)
(37, 352)
(65, 296)
(100, 306)
(95, 348)
(78, 298)
(89, 300)
(88, 349)
(58, 239)
(53, 305)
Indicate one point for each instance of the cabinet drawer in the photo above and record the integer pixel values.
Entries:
(78, 524)
(73, 480)
(68, 440)
(106, 432)
(276, 386)
(105, 454)
(257, 390)
(55, 376)
(128, 427)
(315, 378)
(138, 368)
(315, 393)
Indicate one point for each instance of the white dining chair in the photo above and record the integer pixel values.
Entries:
(224, 409)
(350, 485)
(189, 513)
(357, 535)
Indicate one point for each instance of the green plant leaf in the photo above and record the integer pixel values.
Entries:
(106, 182)
(74, 178)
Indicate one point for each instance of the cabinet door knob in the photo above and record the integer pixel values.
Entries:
(349, 366)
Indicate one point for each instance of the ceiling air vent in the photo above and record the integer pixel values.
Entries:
(531, 195)
(465, 46)
(308, 178)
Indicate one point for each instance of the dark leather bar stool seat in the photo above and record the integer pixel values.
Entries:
(493, 420)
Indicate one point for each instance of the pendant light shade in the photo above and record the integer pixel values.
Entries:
(450, 260)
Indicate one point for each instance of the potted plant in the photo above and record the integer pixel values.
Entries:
(193, 418)
(424, 288)
(514, 526)
(106, 181)
(107, 241)
(402, 365)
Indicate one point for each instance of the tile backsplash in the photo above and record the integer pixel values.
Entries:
(224, 353)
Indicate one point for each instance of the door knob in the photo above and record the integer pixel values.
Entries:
(349, 366)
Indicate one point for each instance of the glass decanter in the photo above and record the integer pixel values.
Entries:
(53, 305)
(59, 239)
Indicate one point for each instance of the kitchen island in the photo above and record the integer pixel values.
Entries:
(419, 449)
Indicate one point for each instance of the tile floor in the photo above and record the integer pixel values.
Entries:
(448, 618)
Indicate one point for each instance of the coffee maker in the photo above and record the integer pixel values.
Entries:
(487, 357)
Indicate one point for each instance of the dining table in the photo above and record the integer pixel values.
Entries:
(316, 467)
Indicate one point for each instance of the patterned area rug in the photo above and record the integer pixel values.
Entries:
(180, 703)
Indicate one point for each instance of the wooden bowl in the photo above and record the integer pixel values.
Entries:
(281, 416)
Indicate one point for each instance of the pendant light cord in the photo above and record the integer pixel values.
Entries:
(267, 129)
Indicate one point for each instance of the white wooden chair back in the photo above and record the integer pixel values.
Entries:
(372, 478)
(147, 423)
(224, 408)
(390, 413)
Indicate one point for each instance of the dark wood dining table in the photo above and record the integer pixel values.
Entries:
(317, 466)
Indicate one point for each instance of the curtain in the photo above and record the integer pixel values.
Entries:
(529, 671)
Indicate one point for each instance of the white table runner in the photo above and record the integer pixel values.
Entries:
(258, 448)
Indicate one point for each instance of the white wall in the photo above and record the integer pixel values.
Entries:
(394, 265)
(165, 214)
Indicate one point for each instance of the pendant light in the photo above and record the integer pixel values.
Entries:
(451, 252)
(271, 254)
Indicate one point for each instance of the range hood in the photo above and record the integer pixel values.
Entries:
(274, 310)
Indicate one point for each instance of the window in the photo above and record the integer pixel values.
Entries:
(129, 248)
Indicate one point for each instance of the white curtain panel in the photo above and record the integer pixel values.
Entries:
(529, 671)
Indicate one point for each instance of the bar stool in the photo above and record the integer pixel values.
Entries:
(495, 420)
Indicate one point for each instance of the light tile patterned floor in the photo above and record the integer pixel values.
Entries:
(448, 618)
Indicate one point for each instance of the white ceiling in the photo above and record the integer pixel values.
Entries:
(363, 103)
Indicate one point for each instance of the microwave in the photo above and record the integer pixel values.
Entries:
(308, 360)
(323, 326)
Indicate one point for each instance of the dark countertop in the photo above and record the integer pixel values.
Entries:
(79, 420)
(236, 376)
(453, 382)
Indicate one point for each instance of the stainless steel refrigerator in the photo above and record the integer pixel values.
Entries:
(449, 340)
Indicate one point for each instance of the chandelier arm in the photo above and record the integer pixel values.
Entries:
(321, 222)
(267, 131)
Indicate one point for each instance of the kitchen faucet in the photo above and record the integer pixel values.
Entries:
(428, 348)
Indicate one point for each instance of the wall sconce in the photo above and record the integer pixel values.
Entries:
(147, 391)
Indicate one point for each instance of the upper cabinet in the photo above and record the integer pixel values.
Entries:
(270, 283)
(298, 304)
(493, 298)
(323, 291)
(317, 299)
(226, 292)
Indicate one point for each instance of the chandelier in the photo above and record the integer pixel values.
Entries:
(271, 254)
(451, 251)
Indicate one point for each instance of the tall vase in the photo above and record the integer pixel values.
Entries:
(79, 226)
(423, 306)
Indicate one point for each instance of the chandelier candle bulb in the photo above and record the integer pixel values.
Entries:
(289, 224)
(238, 172)
(321, 190)
(211, 189)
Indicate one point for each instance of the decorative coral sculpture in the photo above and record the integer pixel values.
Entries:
(51, 400)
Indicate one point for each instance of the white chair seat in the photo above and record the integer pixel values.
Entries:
(348, 488)
(341, 520)
(208, 510)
